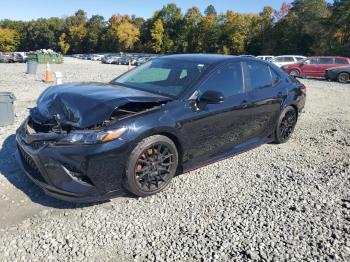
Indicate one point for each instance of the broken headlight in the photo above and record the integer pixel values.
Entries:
(87, 138)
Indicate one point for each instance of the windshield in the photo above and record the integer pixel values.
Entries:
(163, 76)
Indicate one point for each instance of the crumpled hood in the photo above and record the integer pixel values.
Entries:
(83, 105)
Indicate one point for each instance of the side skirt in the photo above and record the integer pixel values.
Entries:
(251, 144)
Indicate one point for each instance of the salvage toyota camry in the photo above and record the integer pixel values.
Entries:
(87, 141)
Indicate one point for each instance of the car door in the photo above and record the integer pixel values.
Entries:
(210, 130)
(323, 64)
(309, 67)
(266, 93)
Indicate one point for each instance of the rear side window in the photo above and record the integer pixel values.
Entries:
(311, 61)
(341, 61)
(279, 59)
(299, 58)
(227, 80)
(325, 61)
(259, 75)
(288, 59)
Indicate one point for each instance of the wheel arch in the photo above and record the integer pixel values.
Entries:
(292, 104)
(169, 133)
(177, 143)
(295, 69)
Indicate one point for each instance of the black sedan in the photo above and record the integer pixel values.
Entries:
(340, 74)
(87, 141)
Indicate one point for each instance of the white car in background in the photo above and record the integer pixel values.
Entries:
(96, 57)
(265, 57)
(286, 60)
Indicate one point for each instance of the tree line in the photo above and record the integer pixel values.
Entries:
(307, 27)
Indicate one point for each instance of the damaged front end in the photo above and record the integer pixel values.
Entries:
(62, 145)
(79, 113)
(62, 132)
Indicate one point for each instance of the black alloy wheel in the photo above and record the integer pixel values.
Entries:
(151, 166)
(343, 78)
(286, 125)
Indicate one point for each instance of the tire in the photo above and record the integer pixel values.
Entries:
(294, 72)
(285, 125)
(343, 78)
(151, 166)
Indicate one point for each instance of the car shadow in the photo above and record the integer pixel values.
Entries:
(10, 169)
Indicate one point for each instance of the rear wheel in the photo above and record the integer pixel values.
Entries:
(343, 78)
(151, 166)
(286, 125)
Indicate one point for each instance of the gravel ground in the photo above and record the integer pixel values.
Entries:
(276, 202)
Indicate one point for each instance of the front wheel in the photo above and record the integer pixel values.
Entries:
(286, 124)
(294, 73)
(151, 166)
(343, 78)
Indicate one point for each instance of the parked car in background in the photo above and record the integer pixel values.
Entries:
(143, 60)
(265, 57)
(248, 56)
(340, 74)
(85, 141)
(286, 60)
(96, 57)
(19, 57)
(315, 66)
(111, 59)
(7, 58)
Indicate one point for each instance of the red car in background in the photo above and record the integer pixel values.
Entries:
(315, 66)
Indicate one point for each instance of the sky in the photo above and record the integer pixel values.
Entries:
(33, 9)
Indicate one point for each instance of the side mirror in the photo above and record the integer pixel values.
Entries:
(211, 97)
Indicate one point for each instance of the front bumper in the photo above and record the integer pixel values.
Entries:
(75, 173)
(331, 75)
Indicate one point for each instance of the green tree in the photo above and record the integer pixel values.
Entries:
(209, 34)
(338, 27)
(172, 21)
(95, 27)
(190, 35)
(210, 10)
(157, 35)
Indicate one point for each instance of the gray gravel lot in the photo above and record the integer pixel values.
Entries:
(277, 202)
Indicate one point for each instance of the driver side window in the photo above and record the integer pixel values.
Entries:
(228, 80)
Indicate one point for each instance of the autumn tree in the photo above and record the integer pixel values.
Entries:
(62, 44)
(122, 32)
(9, 40)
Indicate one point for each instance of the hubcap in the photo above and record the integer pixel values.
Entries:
(343, 78)
(153, 167)
(294, 73)
(287, 124)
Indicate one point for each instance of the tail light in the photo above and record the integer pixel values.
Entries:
(303, 89)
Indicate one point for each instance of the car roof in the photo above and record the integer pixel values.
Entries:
(203, 58)
(328, 57)
(290, 56)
